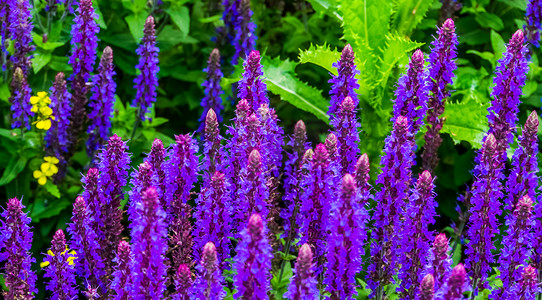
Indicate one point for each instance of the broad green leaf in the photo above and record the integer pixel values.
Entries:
(281, 80)
(485, 55)
(100, 19)
(328, 7)
(488, 20)
(60, 64)
(466, 120)
(408, 14)
(43, 209)
(52, 189)
(4, 92)
(13, 169)
(499, 47)
(136, 23)
(40, 60)
(49, 45)
(321, 56)
(181, 17)
(521, 4)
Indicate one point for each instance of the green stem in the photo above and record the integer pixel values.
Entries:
(288, 241)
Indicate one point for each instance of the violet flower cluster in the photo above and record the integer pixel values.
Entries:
(344, 83)
(15, 244)
(213, 91)
(146, 82)
(441, 73)
(84, 43)
(245, 37)
(101, 103)
(533, 20)
(57, 137)
(121, 285)
(156, 159)
(439, 261)
(251, 85)
(346, 128)
(20, 100)
(209, 283)
(19, 17)
(456, 284)
(60, 269)
(303, 284)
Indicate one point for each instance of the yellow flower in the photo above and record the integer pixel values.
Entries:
(71, 259)
(43, 124)
(44, 114)
(51, 159)
(42, 179)
(47, 169)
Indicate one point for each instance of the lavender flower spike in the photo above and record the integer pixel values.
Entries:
(253, 261)
(533, 20)
(245, 32)
(122, 276)
(20, 100)
(345, 83)
(346, 239)
(456, 284)
(209, 284)
(114, 161)
(483, 224)
(517, 245)
(89, 265)
(59, 268)
(523, 179)
(146, 81)
(20, 30)
(212, 89)
(251, 85)
(439, 261)
(213, 152)
(303, 283)
(529, 286)
(4, 33)
(420, 214)
(441, 73)
(183, 283)
(15, 256)
(101, 103)
(57, 137)
(395, 178)
(346, 128)
(362, 177)
(156, 159)
(149, 236)
(510, 75)
(427, 288)
(83, 55)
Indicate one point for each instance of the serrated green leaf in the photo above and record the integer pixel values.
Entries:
(320, 55)
(52, 189)
(466, 120)
(408, 14)
(281, 80)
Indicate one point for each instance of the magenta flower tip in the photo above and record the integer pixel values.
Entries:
(427, 289)
(417, 58)
(449, 25)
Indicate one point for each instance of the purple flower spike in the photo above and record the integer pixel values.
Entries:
(441, 73)
(533, 18)
(251, 86)
(395, 180)
(253, 193)
(455, 286)
(345, 242)
(57, 137)
(427, 288)
(59, 268)
(19, 13)
(345, 83)
(362, 177)
(245, 32)
(332, 146)
(273, 140)
(253, 261)
(122, 276)
(4, 32)
(15, 256)
(113, 170)
(510, 75)
(412, 93)
(183, 283)
(213, 221)
(517, 246)
(229, 16)
(416, 236)
(346, 128)
(146, 81)
(212, 89)
(209, 284)
(141, 180)
(83, 55)
(213, 152)
(292, 179)
(483, 224)
(181, 174)
(20, 100)
(303, 283)
(84, 242)
(318, 186)
(440, 263)
(523, 179)
(149, 236)
(156, 159)
(529, 286)
(101, 103)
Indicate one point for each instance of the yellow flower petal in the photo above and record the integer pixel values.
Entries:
(37, 174)
(42, 180)
(34, 100)
(44, 264)
(45, 167)
(42, 94)
(47, 124)
(50, 252)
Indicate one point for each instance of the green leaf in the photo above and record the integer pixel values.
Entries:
(60, 64)
(155, 122)
(136, 23)
(40, 60)
(408, 14)
(52, 189)
(521, 4)
(49, 45)
(466, 120)
(488, 20)
(43, 209)
(97, 10)
(328, 7)
(282, 81)
(499, 47)
(321, 56)
(485, 55)
(15, 166)
(181, 17)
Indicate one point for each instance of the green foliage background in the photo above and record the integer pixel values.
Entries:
(299, 40)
